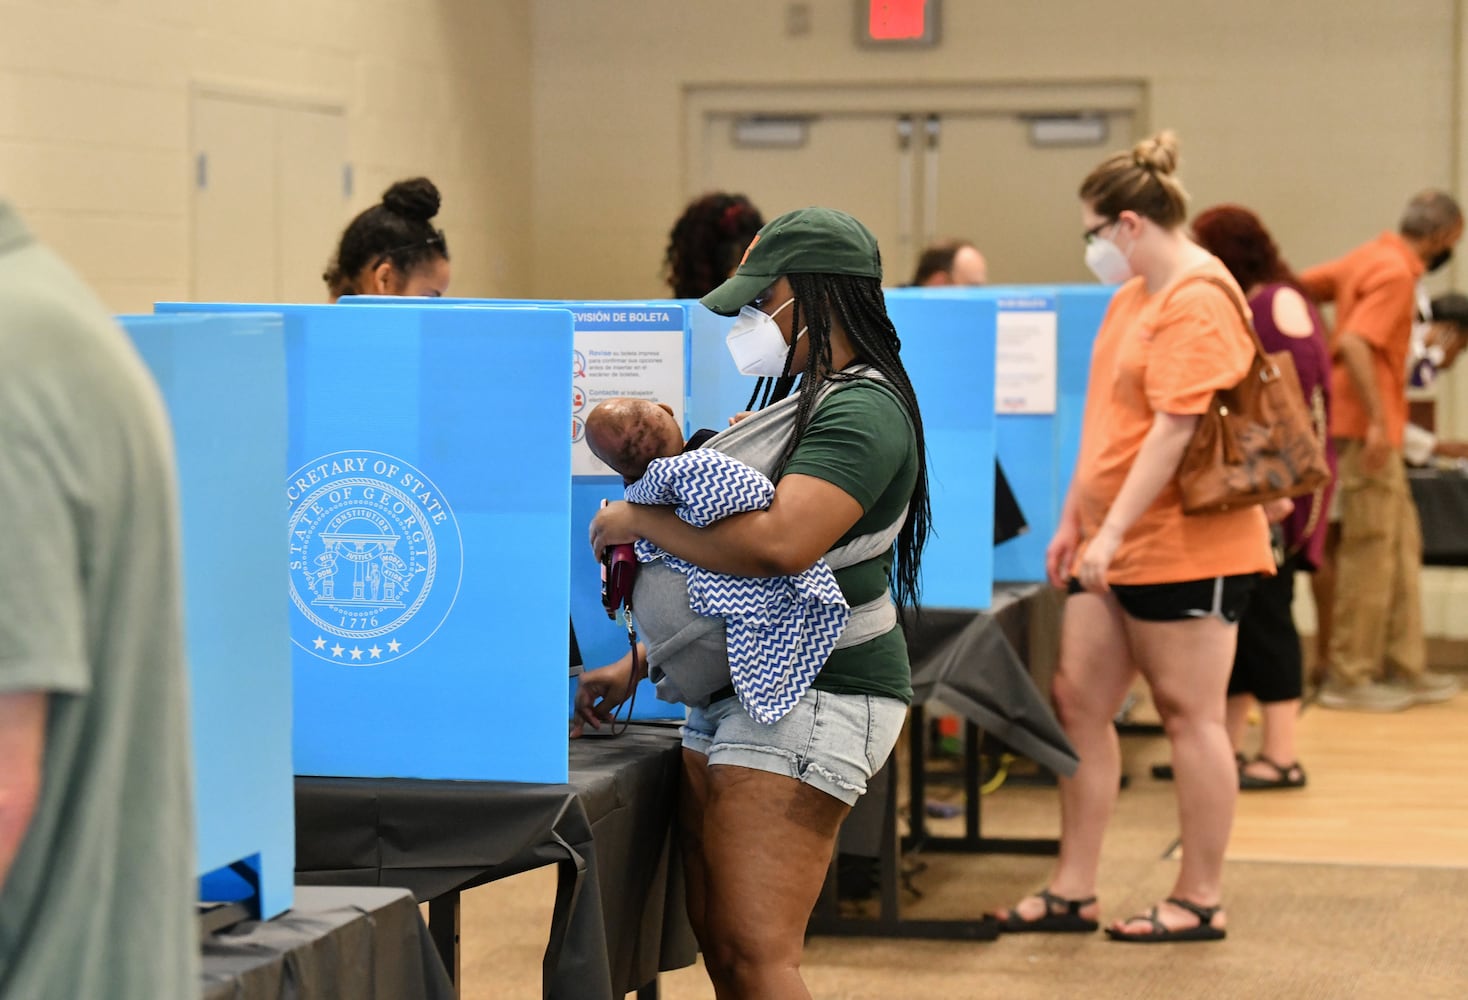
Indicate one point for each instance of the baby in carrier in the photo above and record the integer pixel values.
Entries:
(781, 628)
(629, 434)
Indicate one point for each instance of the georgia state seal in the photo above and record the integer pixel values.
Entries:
(376, 558)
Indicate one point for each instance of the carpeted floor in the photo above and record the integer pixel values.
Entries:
(1300, 932)
(1391, 924)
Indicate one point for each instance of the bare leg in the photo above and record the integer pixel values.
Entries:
(1092, 681)
(1322, 587)
(1239, 706)
(1187, 665)
(767, 842)
(692, 801)
(1279, 738)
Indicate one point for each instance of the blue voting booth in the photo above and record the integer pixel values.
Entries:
(614, 328)
(1043, 340)
(1082, 308)
(1027, 414)
(948, 350)
(716, 390)
(1038, 451)
(620, 348)
(426, 515)
(223, 381)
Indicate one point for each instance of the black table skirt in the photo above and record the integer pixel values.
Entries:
(1442, 507)
(333, 943)
(614, 820)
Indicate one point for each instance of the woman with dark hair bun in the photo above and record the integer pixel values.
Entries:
(393, 248)
(707, 243)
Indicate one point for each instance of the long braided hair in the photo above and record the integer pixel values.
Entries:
(860, 307)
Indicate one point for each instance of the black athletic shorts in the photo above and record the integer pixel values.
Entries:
(1223, 597)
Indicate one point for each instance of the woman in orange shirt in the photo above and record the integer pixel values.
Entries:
(1152, 590)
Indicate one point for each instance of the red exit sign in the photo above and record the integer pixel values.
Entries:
(913, 22)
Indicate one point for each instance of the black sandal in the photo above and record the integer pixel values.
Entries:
(1286, 776)
(1161, 933)
(1061, 916)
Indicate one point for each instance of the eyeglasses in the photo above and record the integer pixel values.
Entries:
(1095, 231)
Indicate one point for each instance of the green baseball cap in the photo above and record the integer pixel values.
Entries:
(805, 241)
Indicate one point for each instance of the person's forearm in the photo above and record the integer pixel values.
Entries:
(15, 820)
(639, 669)
(1356, 353)
(1154, 467)
(1319, 286)
(22, 742)
(1070, 510)
(741, 545)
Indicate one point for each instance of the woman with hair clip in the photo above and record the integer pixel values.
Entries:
(707, 241)
(1152, 590)
(762, 802)
(392, 248)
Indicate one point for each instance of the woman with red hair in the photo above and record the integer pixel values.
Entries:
(1268, 662)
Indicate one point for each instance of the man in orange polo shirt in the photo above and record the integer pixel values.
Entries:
(1378, 659)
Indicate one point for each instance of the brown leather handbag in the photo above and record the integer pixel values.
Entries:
(1257, 442)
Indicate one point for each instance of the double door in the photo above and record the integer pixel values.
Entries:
(991, 177)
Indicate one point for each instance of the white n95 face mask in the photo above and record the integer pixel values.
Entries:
(1107, 262)
(756, 343)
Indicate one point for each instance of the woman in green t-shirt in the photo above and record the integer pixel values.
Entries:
(761, 804)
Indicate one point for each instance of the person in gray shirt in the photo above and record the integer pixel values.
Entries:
(97, 882)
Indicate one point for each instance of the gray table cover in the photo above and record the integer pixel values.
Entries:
(983, 665)
(1442, 507)
(978, 664)
(335, 942)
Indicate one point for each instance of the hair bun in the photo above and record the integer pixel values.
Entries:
(1157, 154)
(413, 199)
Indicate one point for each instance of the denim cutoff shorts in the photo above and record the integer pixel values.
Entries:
(833, 742)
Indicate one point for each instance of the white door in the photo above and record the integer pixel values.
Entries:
(270, 198)
(988, 182)
(915, 178)
(312, 199)
(234, 201)
(860, 164)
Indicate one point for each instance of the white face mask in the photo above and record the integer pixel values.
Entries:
(756, 343)
(1107, 262)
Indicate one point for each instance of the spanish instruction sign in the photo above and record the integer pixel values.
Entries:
(1025, 355)
(623, 350)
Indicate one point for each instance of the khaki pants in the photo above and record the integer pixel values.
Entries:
(1378, 600)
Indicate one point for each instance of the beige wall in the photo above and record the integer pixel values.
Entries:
(1322, 114)
(556, 127)
(94, 130)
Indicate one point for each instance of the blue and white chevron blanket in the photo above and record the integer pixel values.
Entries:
(780, 630)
